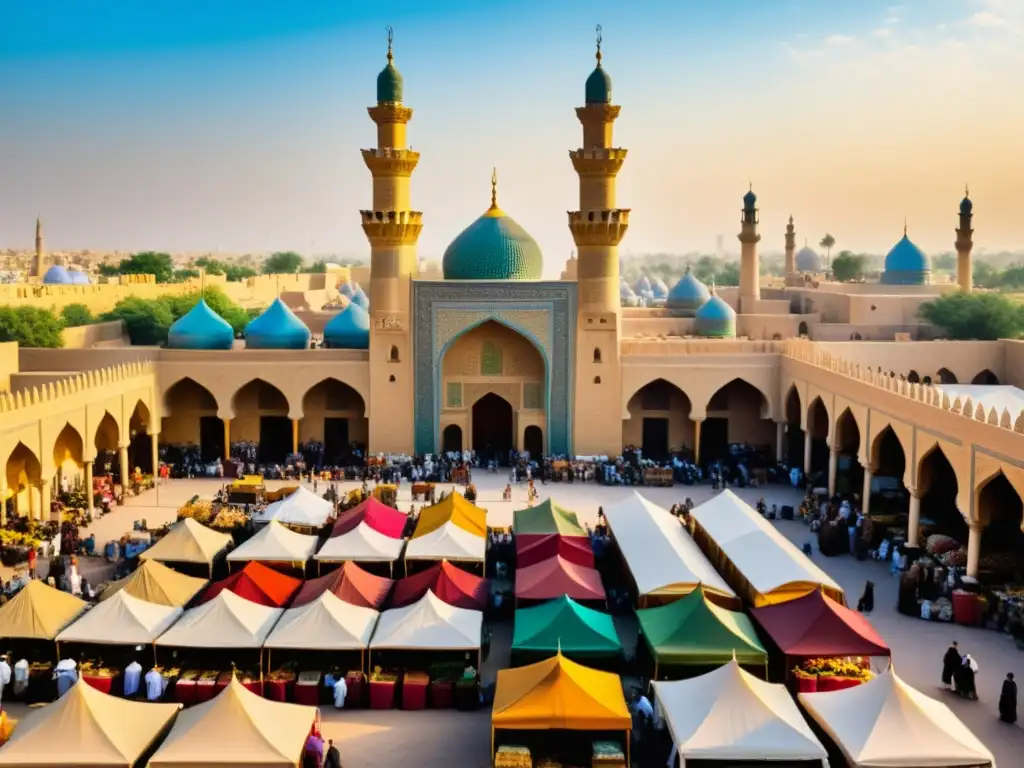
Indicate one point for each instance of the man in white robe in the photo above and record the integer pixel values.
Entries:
(154, 685)
(340, 691)
(5, 678)
(132, 677)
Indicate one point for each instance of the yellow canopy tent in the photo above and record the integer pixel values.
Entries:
(188, 542)
(455, 508)
(559, 694)
(156, 583)
(38, 612)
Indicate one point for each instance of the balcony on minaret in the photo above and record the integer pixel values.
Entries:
(598, 161)
(389, 162)
(392, 228)
(606, 227)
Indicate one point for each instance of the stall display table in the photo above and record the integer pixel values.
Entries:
(442, 694)
(804, 683)
(382, 694)
(607, 754)
(355, 684)
(206, 689)
(967, 608)
(102, 683)
(185, 688)
(280, 686)
(467, 695)
(511, 756)
(414, 690)
(307, 688)
(832, 683)
(253, 686)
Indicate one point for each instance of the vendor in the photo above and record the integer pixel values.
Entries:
(469, 673)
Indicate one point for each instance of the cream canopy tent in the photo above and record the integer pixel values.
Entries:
(38, 612)
(662, 557)
(362, 544)
(226, 621)
(729, 714)
(767, 567)
(884, 723)
(236, 728)
(328, 623)
(121, 620)
(188, 542)
(86, 728)
(303, 508)
(429, 624)
(156, 583)
(275, 544)
(449, 542)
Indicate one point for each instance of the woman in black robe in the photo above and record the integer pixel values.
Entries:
(1008, 700)
(965, 679)
(950, 663)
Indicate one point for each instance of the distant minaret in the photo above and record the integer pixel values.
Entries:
(790, 248)
(37, 264)
(964, 244)
(750, 277)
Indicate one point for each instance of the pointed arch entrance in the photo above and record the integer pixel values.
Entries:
(737, 415)
(493, 428)
(140, 446)
(451, 439)
(24, 474)
(334, 424)
(261, 417)
(68, 453)
(190, 421)
(659, 421)
(533, 442)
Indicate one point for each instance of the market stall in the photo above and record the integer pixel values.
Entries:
(762, 565)
(86, 728)
(156, 583)
(532, 549)
(453, 509)
(885, 723)
(257, 583)
(663, 560)
(556, 576)
(188, 542)
(248, 489)
(557, 698)
(274, 543)
(730, 716)
(564, 625)
(237, 728)
(451, 584)
(301, 509)
(350, 583)
(693, 634)
(448, 542)
(547, 518)
(380, 517)
(362, 545)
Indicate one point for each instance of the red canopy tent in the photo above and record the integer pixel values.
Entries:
(257, 583)
(379, 516)
(453, 585)
(555, 577)
(350, 583)
(816, 625)
(533, 548)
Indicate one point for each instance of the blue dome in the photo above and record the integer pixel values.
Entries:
(807, 260)
(494, 247)
(599, 87)
(966, 206)
(906, 264)
(201, 328)
(643, 285)
(57, 275)
(715, 318)
(687, 295)
(659, 288)
(749, 199)
(78, 277)
(347, 289)
(349, 329)
(277, 328)
(360, 298)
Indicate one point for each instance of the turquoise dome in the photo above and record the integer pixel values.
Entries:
(360, 298)
(966, 206)
(659, 288)
(201, 328)
(599, 86)
(715, 318)
(57, 275)
(349, 329)
(277, 328)
(807, 260)
(906, 264)
(749, 199)
(687, 295)
(347, 289)
(78, 277)
(389, 83)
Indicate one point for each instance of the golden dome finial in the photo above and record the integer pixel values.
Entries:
(904, 226)
(494, 188)
(599, 38)
(967, 190)
(391, 39)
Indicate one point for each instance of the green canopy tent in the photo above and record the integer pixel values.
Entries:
(565, 625)
(545, 519)
(695, 632)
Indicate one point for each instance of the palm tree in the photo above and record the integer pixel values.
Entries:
(827, 242)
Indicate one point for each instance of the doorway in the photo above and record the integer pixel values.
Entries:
(714, 439)
(140, 452)
(533, 442)
(492, 428)
(211, 438)
(336, 442)
(451, 439)
(655, 439)
(275, 438)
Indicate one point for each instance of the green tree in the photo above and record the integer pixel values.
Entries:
(983, 316)
(146, 320)
(145, 263)
(318, 267)
(827, 242)
(74, 315)
(849, 266)
(181, 275)
(945, 262)
(31, 327)
(235, 273)
(728, 274)
(282, 263)
(985, 275)
(1012, 277)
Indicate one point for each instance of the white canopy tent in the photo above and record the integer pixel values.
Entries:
(729, 714)
(362, 544)
(328, 623)
(275, 544)
(663, 558)
(188, 542)
(884, 723)
(121, 620)
(303, 508)
(429, 624)
(772, 566)
(449, 542)
(226, 621)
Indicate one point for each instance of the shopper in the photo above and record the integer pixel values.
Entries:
(950, 663)
(1008, 700)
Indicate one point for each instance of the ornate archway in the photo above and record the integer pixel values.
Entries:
(140, 434)
(736, 415)
(191, 425)
(794, 430)
(261, 431)
(24, 474)
(107, 441)
(850, 474)
(817, 429)
(985, 378)
(493, 435)
(533, 442)
(1001, 511)
(334, 424)
(451, 439)
(659, 421)
(68, 457)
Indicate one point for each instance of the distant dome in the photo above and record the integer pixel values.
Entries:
(78, 277)
(643, 288)
(201, 328)
(599, 87)
(749, 199)
(624, 290)
(906, 264)
(630, 301)
(277, 328)
(349, 329)
(966, 206)
(659, 288)
(57, 275)
(807, 260)
(687, 295)
(348, 289)
(389, 83)
(715, 318)
(360, 298)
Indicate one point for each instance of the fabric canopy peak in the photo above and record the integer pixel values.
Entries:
(154, 582)
(563, 625)
(456, 509)
(188, 542)
(548, 517)
(39, 612)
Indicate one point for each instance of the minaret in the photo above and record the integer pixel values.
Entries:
(37, 264)
(393, 230)
(597, 229)
(790, 248)
(750, 277)
(964, 244)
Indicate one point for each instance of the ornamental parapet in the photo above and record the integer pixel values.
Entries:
(387, 162)
(606, 227)
(392, 228)
(391, 112)
(598, 113)
(598, 161)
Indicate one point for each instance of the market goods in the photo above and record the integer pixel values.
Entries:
(513, 757)
(229, 517)
(938, 543)
(201, 511)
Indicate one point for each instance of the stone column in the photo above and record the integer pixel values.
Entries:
(44, 501)
(865, 496)
(3, 498)
(780, 439)
(807, 451)
(974, 547)
(122, 452)
(833, 466)
(227, 438)
(88, 486)
(696, 440)
(914, 521)
(154, 448)
(295, 435)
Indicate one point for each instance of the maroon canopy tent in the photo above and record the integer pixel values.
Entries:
(453, 585)
(816, 625)
(555, 577)
(350, 583)
(534, 548)
(382, 518)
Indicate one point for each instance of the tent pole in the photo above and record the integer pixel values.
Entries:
(270, 655)
(492, 743)
(655, 669)
(57, 645)
(629, 760)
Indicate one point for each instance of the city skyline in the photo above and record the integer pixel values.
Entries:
(170, 128)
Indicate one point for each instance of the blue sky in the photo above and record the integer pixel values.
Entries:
(236, 125)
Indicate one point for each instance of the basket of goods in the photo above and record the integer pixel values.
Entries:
(938, 543)
(954, 558)
(510, 756)
(607, 754)
(804, 682)
(200, 510)
(229, 518)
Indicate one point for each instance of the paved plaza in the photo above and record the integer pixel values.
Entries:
(432, 739)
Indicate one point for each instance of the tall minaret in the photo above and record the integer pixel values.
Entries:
(37, 264)
(750, 273)
(597, 229)
(964, 244)
(393, 230)
(790, 248)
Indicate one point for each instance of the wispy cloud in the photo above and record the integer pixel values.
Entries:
(838, 40)
(986, 19)
(882, 32)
